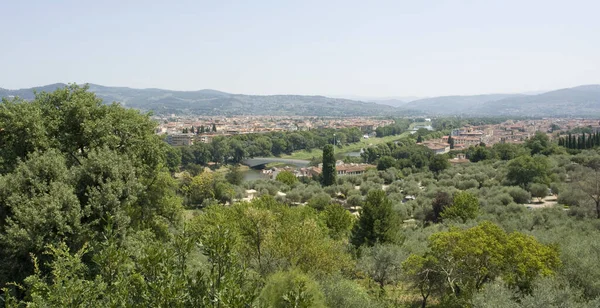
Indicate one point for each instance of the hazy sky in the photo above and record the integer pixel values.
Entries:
(366, 48)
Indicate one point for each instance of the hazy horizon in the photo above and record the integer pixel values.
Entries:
(377, 49)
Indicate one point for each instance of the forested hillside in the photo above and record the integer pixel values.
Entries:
(211, 102)
(94, 214)
(577, 101)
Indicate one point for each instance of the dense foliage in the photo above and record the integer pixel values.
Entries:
(90, 215)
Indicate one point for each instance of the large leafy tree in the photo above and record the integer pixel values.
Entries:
(383, 263)
(526, 169)
(439, 163)
(464, 206)
(587, 179)
(39, 207)
(71, 167)
(378, 223)
(467, 259)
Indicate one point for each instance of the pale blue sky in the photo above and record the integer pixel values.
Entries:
(367, 48)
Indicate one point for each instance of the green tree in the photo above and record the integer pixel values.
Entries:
(385, 163)
(478, 153)
(539, 144)
(383, 263)
(423, 273)
(201, 187)
(286, 177)
(220, 150)
(341, 292)
(526, 169)
(588, 181)
(539, 191)
(319, 201)
(338, 220)
(329, 172)
(257, 223)
(439, 163)
(173, 159)
(464, 206)
(38, 207)
(467, 259)
(237, 151)
(506, 151)
(234, 175)
(377, 223)
(441, 201)
(291, 289)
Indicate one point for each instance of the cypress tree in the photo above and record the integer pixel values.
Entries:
(329, 171)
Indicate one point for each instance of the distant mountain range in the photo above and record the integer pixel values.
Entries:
(212, 102)
(577, 101)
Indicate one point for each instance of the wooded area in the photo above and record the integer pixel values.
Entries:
(92, 215)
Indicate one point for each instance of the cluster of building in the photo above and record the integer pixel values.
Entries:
(341, 168)
(188, 130)
(511, 131)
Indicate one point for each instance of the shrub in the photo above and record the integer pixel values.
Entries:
(519, 195)
(320, 201)
(286, 177)
(291, 289)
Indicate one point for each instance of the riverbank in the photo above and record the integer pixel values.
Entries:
(341, 152)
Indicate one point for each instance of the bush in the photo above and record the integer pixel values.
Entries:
(365, 187)
(505, 199)
(355, 200)
(519, 195)
(464, 206)
(468, 184)
(320, 201)
(344, 293)
(286, 177)
(538, 190)
(291, 289)
(338, 220)
(571, 197)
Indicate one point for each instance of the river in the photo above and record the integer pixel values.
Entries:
(253, 174)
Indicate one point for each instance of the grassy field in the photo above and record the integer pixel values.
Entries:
(340, 152)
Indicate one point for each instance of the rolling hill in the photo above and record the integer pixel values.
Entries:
(212, 102)
(453, 105)
(577, 101)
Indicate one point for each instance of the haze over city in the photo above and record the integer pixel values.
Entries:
(337, 48)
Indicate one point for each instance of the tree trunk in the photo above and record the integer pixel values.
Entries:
(424, 302)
